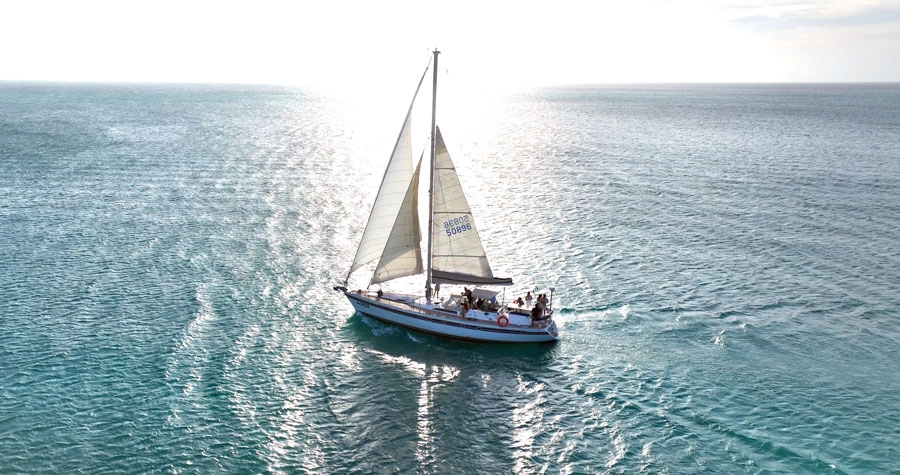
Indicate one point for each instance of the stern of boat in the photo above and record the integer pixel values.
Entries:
(552, 330)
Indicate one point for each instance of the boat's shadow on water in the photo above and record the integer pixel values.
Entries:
(395, 341)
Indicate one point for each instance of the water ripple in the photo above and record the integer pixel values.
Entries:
(724, 261)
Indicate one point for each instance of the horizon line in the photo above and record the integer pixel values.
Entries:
(514, 87)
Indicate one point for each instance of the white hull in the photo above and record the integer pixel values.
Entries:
(431, 318)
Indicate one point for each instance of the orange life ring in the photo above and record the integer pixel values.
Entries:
(502, 321)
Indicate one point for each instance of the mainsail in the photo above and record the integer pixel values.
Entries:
(458, 256)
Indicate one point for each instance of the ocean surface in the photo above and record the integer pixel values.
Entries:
(725, 260)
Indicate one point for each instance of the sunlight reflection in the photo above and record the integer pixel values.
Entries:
(403, 361)
(619, 447)
(425, 438)
(350, 357)
(527, 422)
(425, 423)
(187, 364)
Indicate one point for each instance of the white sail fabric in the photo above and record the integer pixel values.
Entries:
(458, 256)
(402, 255)
(389, 199)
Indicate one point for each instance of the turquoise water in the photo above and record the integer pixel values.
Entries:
(725, 259)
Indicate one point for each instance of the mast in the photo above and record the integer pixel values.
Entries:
(431, 179)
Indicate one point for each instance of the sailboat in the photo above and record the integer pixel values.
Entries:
(455, 255)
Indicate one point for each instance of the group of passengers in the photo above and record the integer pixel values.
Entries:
(468, 302)
(541, 305)
(540, 302)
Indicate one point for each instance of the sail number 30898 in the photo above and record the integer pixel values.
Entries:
(458, 225)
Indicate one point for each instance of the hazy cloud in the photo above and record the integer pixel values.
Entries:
(796, 15)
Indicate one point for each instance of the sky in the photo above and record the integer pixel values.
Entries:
(338, 43)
